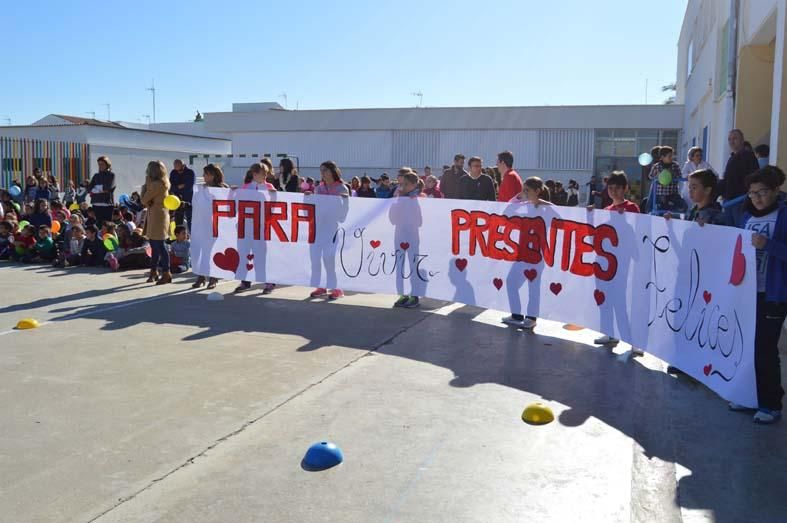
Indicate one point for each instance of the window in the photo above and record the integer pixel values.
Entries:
(722, 81)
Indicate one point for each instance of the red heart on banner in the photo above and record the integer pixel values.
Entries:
(599, 296)
(250, 256)
(227, 260)
(249, 266)
(497, 282)
(404, 246)
(707, 368)
(555, 288)
(374, 243)
(707, 296)
(460, 263)
(738, 263)
(530, 274)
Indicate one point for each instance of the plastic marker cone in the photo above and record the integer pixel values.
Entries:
(537, 414)
(215, 296)
(322, 455)
(27, 323)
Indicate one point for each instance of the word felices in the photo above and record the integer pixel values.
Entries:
(267, 218)
(527, 239)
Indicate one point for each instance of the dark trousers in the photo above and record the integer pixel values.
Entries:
(184, 211)
(103, 214)
(770, 318)
(159, 255)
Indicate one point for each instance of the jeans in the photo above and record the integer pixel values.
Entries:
(767, 365)
(159, 255)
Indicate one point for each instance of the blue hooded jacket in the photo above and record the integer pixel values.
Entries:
(776, 272)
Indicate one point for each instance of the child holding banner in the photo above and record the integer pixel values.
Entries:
(213, 177)
(257, 180)
(617, 187)
(765, 214)
(534, 192)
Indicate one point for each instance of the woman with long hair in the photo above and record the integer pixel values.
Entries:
(154, 191)
(213, 177)
(288, 175)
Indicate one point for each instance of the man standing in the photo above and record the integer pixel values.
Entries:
(449, 183)
(182, 180)
(427, 173)
(476, 185)
(741, 164)
(511, 183)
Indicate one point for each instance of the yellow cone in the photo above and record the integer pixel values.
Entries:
(537, 414)
(27, 323)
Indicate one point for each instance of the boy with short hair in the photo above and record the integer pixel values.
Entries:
(93, 250)
(180, 259)
(24, 243)
(44, 249)
(384, 188)
(617, 187)
(667, 194)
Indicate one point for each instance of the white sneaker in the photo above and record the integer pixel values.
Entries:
(606, 340)
(767, 416)
(636, 351)
(525, 323)
(529, 324)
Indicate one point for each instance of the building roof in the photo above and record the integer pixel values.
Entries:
(76, 120)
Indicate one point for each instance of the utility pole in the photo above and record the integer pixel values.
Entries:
(284, 95)
(109, 114)
(152, 89)
(646, 91)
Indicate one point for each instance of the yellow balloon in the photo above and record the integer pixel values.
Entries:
(171, 230)
(172, 202)
(27, 323)
(74, 207)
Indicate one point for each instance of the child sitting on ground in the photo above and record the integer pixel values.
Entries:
(109, 238)
(44, 249)
(71, 255)
(24, 243)
(134, 250)
(40, 215)
(180, 257)
(93, 250)
(6, 240)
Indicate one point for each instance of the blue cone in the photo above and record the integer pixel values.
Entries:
(323, 455)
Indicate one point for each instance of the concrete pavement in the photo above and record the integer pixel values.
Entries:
(144, 403)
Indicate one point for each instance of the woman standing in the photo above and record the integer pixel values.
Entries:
(102, 191)
(288, 175)
(154, 191)
(573, 194)
(214, 177)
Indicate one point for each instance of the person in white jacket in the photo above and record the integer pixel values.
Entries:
(694, 162)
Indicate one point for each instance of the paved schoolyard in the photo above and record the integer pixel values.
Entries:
(142, 403)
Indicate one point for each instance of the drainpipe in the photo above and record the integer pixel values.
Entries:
(732, 54)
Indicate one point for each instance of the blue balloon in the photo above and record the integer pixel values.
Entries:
(322, 455)
(14, 191)
(645, 159)
(124, 200)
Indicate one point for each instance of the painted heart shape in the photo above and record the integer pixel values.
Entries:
(531, 274)
(498, 283)
(707, 369)
(249, 266)
(599, 296)
(460, 263)
(707, 296)
(375, 243)
(250, 256)
(738, 263)
(555, 288)
(404, 246)
(227, 260)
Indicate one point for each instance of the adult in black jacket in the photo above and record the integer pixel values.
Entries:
(288, 175)
(102, 191)
(742, 163)
(476, 185)
(182, 180)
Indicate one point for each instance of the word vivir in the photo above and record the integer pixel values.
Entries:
(524, 239)
(269, 217)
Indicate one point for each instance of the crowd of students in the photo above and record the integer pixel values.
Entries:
(141, 233)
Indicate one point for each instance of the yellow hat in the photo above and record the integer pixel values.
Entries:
(27, 323)
(537, 414)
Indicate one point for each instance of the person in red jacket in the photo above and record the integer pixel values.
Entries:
(511, 183)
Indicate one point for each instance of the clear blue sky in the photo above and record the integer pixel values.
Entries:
(72, 57)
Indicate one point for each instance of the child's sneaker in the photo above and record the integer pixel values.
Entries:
(113, 262)
(336, 294)
(636, 351)
(525, 323)
(401, 301)
(412, 301)
(606, 340)
(268, 288)
(319, 291)
(767, 416)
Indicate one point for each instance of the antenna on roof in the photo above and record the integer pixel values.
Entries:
(284, 95)
(420, 96)
(7, 120)
(152, 89)
(109, 114)
(146, 116)
(92, 114)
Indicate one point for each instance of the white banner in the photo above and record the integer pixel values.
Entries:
(682, 292)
